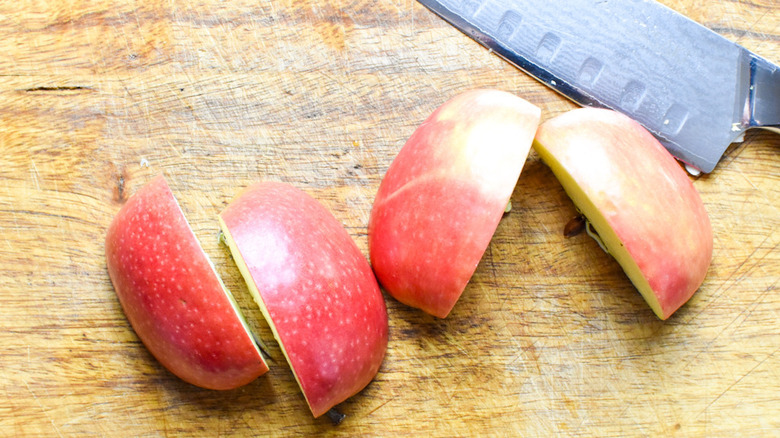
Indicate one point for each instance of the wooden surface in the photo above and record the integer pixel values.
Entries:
(96, 97)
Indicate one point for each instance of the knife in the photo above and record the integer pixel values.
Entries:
(696, 91)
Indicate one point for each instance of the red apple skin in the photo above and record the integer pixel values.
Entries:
(317, 287)
(172, 296)
(443, 196)
(643, 192)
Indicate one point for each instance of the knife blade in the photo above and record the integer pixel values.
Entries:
(695, 90)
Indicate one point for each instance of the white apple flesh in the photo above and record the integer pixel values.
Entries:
(172, 296)
(314, 287)
(640, 201)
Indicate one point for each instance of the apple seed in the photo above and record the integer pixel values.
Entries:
(575, 226)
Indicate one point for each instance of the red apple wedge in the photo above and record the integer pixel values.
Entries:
(640, 201)
(442, 198)
(314, 287)
(172, 296)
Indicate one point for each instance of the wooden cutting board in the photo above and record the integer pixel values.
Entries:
(96, 97)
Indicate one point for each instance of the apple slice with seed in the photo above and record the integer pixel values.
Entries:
(173, 297)
(644, 208)
(314, 287)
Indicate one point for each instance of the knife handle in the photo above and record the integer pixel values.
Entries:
(764, 98)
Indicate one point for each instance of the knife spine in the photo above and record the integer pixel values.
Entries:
(547, 49)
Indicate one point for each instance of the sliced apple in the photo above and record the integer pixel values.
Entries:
(172, 296)
(443, 196)
(640, 201)
(314, 287)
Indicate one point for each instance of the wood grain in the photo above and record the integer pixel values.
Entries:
(96, 97)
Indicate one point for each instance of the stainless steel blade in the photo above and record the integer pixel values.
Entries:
(695, 90)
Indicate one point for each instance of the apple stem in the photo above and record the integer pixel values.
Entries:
(594, 235)
(335, 416)
(262, 347)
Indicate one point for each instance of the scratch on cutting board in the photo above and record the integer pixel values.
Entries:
(749, 30)
(173, 148)
(749, 181)
(723, 288)
(704, 411)
(381, 405)
(35, 174)
(748, 312)
(720, 292)
(40, 405)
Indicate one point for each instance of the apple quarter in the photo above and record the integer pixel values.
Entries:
(314, 287)
(172, 296)
(441, 200)
(638, 198)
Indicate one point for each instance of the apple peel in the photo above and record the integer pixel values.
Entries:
(443, 196)
(173, 297)
(314, 287)
(644, 208)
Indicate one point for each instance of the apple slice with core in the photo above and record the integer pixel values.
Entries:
(173, 297)
(645, 210)
(314, 287)
(444, 194)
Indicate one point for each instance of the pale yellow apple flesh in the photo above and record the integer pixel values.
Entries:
(314, 287)
(639, 200)
(607, 235)
(242, 267)
(172, 296)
